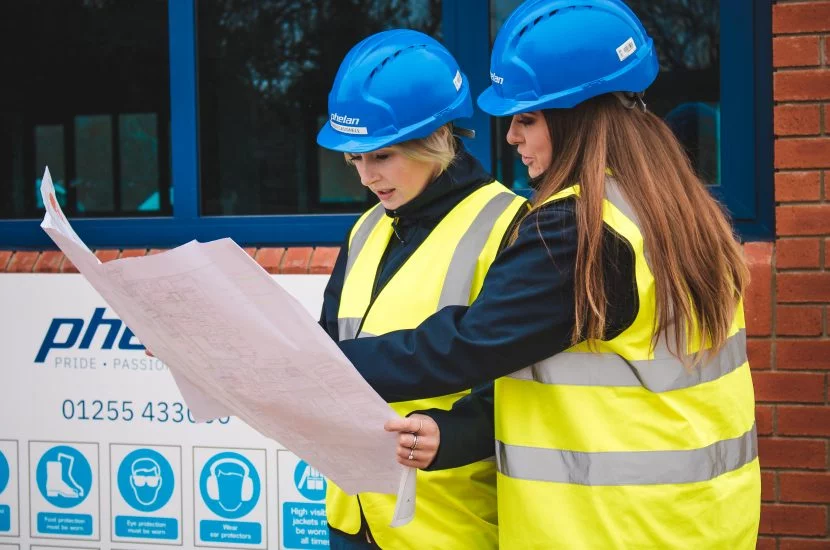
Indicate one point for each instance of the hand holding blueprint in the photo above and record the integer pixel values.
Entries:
(238, 344)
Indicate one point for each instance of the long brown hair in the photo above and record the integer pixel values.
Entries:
(698, 265)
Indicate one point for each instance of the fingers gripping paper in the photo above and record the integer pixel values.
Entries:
(238, 344)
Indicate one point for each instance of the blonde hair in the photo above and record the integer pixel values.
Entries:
(439, 148)
(698, 266)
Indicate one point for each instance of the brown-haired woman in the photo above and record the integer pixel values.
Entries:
(612, 325)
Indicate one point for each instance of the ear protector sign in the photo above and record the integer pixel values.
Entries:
(230, 485)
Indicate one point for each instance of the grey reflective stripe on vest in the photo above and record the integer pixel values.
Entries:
(361, 236)
(462, 268)
(615, 197)
(663, 373)
(627, 468)
(347, 327)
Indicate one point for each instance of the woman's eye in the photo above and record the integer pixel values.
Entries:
(382, 156)
(354, 158)
(526, 121)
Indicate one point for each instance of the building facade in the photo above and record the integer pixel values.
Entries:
(202, 120)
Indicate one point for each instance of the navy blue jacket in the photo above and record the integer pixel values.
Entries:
(524, 313)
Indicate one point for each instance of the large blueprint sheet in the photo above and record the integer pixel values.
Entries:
(238, 344)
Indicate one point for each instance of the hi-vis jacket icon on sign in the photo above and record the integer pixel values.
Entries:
(309, 481)
(230, 485)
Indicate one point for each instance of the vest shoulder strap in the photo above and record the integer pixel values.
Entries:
(563, 194)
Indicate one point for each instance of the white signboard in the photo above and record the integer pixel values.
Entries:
(98, 449)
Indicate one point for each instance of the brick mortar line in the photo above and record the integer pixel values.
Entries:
(817, 34)
(799, 338)
(282, 260)
(800, 136)
(795, 34)
(773, 314)
(799, 69)
(780, 102)
(793, 68)
(811, 137)
(797, 170)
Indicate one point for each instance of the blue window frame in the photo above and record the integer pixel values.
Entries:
(746, 122)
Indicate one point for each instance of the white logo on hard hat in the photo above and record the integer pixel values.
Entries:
(347, 125)
(628, 47)
(457, 80)
(496, 78)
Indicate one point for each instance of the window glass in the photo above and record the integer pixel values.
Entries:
(90, 98)
(265, 70)
(687, 90)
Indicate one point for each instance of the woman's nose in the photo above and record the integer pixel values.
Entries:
(513, 134)
(367, 175)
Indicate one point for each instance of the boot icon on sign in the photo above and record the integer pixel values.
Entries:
(64, 476)
(59, 480)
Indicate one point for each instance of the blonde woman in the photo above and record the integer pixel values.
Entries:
(612, 324)
(440, 221)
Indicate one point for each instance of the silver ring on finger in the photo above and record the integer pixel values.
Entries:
(411, 454)
(414, 442)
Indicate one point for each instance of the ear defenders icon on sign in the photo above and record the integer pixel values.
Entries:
(215, 492)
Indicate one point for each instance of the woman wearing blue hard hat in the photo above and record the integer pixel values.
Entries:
(612, 324)
(428, 244)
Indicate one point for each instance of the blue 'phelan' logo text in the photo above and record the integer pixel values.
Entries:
(54, 340)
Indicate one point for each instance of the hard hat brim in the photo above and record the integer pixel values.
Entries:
(493, 104)
(330, 138)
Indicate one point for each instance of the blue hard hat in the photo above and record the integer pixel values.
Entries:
(557, 53)
(393, 86)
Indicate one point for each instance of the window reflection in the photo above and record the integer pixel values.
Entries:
(265, 69)
(687, 90)
(93, 163)
(85, 91)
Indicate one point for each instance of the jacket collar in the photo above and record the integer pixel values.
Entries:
(441, 195)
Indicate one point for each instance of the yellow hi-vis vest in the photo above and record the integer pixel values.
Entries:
(624, 447)
(454, 508)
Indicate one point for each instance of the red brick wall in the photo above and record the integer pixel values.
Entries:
(787, 305)
(787, 313)
(298, 260)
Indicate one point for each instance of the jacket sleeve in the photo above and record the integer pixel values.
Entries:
(467, 432)
(331, 296)
(523, 314)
